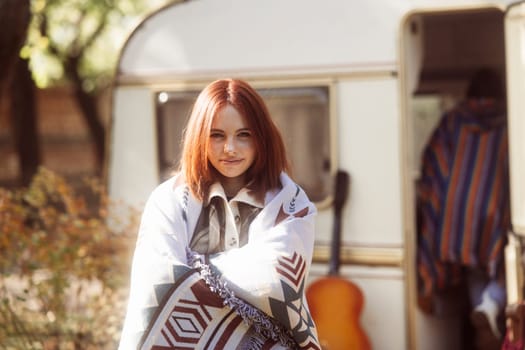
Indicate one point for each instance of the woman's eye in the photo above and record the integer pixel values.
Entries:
(244, 134)
(215, 135)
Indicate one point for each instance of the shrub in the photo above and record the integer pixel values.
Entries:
(64, 265)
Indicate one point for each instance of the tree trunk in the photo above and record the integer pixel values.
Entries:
(14, 20)
(17, 85)
(88, 106)
(24, 120)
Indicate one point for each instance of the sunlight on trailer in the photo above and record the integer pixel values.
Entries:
(353, 85)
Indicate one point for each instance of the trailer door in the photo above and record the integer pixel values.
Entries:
(515, 63)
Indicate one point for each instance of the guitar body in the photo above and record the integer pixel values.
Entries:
(335, 304)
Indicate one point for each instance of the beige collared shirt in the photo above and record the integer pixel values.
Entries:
(223, 224)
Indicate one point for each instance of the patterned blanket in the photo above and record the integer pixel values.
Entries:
(250, 297)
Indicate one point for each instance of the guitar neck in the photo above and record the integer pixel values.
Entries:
(342, 180)
(335, 252)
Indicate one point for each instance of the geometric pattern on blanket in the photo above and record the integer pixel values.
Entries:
(291, 311)
(191, 316)
(194, 317)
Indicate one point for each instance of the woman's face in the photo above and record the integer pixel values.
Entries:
(231, 147)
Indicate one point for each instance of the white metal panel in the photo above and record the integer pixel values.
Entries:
(369, 149)
(210, 36)
(133, 166)
(232, 35)
(515, 55)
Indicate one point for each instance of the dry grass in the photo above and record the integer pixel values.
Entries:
(63, 267)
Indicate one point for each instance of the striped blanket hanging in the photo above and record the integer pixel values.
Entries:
(463, 211)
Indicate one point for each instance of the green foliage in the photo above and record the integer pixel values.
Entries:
(63, 267)
(88, 34)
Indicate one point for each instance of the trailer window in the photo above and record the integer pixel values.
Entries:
(301, 113)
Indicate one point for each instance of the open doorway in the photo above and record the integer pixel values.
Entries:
(452, 46)
(442, 51)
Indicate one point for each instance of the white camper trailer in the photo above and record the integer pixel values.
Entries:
(353, 85)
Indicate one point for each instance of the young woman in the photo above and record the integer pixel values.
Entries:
(225, 245)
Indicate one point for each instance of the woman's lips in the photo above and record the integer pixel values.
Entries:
(231, 161)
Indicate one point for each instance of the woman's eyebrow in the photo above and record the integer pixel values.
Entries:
(221, 130)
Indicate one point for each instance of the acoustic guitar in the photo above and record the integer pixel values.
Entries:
(335, 302)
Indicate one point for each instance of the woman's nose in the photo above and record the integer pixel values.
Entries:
(228, 146)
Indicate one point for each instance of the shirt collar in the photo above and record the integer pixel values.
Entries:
(216, 190)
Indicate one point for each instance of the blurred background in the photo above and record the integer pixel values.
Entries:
(63, 267)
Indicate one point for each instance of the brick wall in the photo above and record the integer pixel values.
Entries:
(66, 145)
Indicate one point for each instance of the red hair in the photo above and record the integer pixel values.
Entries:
(270, 159)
